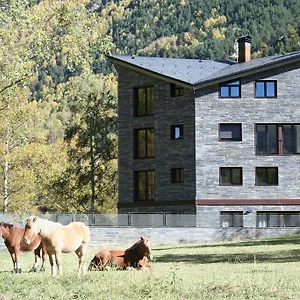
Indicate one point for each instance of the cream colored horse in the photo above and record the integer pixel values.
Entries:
(59, 239)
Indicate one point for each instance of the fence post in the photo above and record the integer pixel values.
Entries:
(129, 219)
(164, 219)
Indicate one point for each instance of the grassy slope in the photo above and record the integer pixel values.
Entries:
(266, 269)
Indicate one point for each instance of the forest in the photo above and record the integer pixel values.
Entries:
(58, 92)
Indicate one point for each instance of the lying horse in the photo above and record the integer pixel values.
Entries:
(59, 239)
(13, 240)
(136, 256)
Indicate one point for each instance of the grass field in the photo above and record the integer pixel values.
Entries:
(261, 269)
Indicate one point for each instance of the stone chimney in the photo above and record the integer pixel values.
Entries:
(244, 49)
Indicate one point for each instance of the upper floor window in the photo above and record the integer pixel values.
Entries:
(144, 185)
(266, 89)
(266, 176)
(230, 89)
(177, 175)
(278, 139)
(231, 176)
(144, 101)
(176, 132)
(144, 143)
(176, 90)
(230, 132)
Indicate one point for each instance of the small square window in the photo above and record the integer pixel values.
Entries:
(176, 132)
(230, 132)
(177, 175)
(266, 89)
(176, 90)
(267, 176)
(231, 176)
(230, 89)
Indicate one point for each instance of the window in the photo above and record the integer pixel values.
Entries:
(144, 143)
(278, 219)
(231, 176)
(230, 132)
(144, 101)
(267, 176)
(176, 132)
(231, 219)
(266, 89)
(176, 90)
(177, 175)
(144, 185)
(230, 89)
(278, 139)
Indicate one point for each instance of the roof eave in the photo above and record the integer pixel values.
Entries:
(122, 63)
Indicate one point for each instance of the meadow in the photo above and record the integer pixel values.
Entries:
(254, 269)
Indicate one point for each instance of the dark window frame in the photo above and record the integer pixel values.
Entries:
(137, 143)
(230, 86)
(235, 218)
(148, 189)
(177, 175)
(232, 139)
(265, 88)
(267, 176)
(231, 181)
(173, 132)
(176, 90)
(137, 102)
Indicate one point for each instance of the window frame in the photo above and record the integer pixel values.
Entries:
(137, 143)
(176, 90)
(222, 139)
(149, 188)
(231, 180)
(137, 101)
(177, 175)
(230, 85)
(173, 132)
(267, 176)
(265, 89)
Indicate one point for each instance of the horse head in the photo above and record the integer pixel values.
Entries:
(145, 247)
(31, 230)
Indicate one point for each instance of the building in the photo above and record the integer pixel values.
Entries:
(221, 139)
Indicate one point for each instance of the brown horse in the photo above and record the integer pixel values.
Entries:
(59, 239)
(13, 240)
(136, 257)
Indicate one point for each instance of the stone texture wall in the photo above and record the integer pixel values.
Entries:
(168, 153)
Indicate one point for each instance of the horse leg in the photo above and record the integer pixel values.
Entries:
(53, 264)
(17, 262)
(13, 258)
(58, 263)
(44, 256)
(81, 253)
(35, 265)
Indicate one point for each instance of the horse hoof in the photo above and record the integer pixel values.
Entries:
(19, 271)
(32, 270)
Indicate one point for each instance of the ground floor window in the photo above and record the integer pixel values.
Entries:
(278, 219)
(231, 219)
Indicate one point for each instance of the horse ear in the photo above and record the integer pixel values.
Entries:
(142, 239)
(34, 219)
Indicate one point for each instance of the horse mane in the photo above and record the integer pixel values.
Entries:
(46, 226)
(134, 246)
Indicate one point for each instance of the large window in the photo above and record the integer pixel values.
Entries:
(231, 176)
(231, 219)
(266, 89)
(176, 90)
(278, 219)
(144, 101)
(144, 143)
(230, 89)
(278, 139)
(177, 175)
(144, 185)
(176, 132)
(266, 176)
(230, 132)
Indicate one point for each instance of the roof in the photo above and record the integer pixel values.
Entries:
(196, 72)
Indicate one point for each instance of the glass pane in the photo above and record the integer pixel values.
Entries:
(272, 140)
(177, 132)
(287, 143)
(272, 176)
(235, 91)
(150, 101)
(260, 176)
(150, 143)
(141, 185)
(262, 220)
(230, 132)
(259, 89)
(274, 220)
(150, 185)
(270, 85)
(237, 220)
(225, 176)
(141, 105)
(224, 91)
(141, 143)
(236, 176)
(297, 138)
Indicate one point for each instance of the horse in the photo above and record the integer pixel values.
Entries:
(13, 240)
(136, 256)
(58, 239)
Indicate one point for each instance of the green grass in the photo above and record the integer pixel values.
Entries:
(261, 269)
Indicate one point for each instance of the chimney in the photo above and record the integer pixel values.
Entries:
(244, 49)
